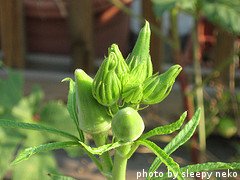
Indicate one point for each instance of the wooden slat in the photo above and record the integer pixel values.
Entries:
(12, 33)
(223, 51)
(81, 32)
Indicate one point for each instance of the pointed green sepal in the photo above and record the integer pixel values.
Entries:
(157, 87)
(107, 87)
(121, 66)
(140, 53)
(93, 117)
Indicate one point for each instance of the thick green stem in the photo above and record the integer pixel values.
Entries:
(120, 162)
(101, 139)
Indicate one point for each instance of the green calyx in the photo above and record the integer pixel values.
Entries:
(132, 93)
(107, 87)
(140, 54)
(93, 117)
(127, 125)
(157, 87)
(119, 83)
(121, 68)
(140, 67)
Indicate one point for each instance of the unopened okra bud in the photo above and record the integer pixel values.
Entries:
(107, 87)
(133, 94)
(127, 125)
(121, 66)
(93, 117)
(140, 54)
(157, 87)
(132, 85)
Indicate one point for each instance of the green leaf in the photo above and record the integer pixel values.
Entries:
(102, 149)
(8, 143)
(167, 129)
(55, 114)
(24, 155)
(165, 158)
(223, 13)
(36, 127)
(71, 105)
(183, 136)
(35, 98)
(59, 177)
(35, 168)
(28, 106)
(209, 166)
(161, 6)
(11, 89)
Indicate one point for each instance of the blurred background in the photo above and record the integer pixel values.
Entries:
(43, 41)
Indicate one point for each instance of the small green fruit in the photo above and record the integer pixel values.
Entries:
(227, 127)
(127, 125)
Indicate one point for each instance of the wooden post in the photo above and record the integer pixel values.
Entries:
(223, 51)
(81, 33)
(156, 43)
(12, 33)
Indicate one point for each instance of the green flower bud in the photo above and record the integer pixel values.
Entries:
(93, 117)
(127, 125)
(107, 87)
(132, 85)
(132, 93)
(121, 67)
(136, 76)
(140, 53)
(157, 87)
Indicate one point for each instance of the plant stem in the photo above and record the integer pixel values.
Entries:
(183, 80)
(101, 139)
(178, 58)
(120, 162)
(199, 89)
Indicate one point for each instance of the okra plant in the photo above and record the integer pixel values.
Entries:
(110, 102)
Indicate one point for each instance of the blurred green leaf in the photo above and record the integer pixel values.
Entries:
(223, 13)
(55, 114)
(11, 89)
(28, 106)
(161, 6)
(36, 127)
(59, 177)
(35, 98)
(36, 168)
(8, 142)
